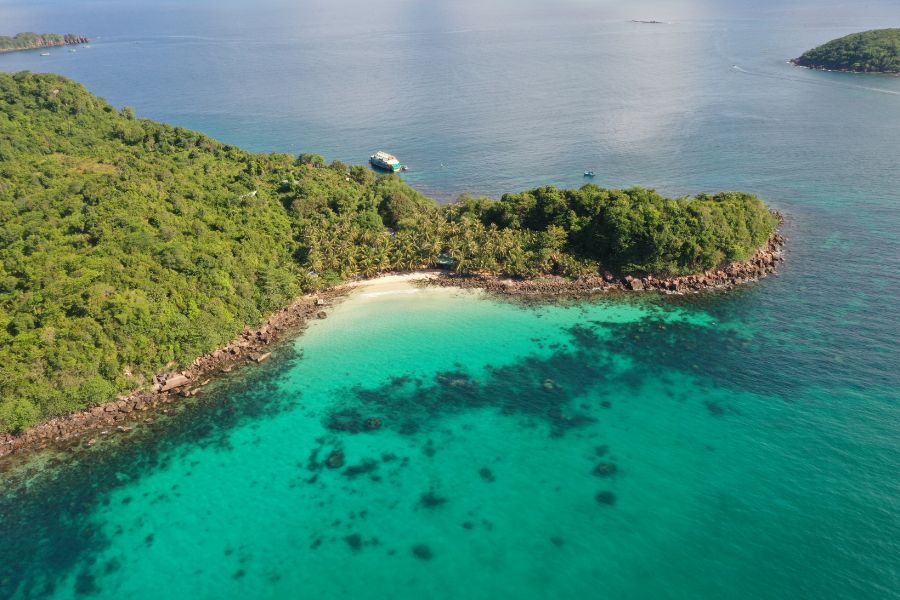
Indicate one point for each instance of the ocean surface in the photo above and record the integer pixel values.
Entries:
(740, 445)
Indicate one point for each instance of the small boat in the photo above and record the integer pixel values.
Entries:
(588, 173)
(45, 54)
(383, 160)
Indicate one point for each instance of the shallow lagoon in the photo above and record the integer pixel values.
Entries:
(533, 451)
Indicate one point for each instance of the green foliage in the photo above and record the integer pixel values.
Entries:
(126, 245)
(631, 230)
(875, 51)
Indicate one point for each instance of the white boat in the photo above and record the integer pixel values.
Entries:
(383, 160)
(45, 54)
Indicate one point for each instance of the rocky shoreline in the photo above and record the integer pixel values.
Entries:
(254, 345)
(813, 67)
(762, 263)
(251, 347)
(50, 41)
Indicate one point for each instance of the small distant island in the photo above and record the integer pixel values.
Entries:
(875, 51)
(32, 41)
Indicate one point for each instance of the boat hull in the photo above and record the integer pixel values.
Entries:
(384, 166)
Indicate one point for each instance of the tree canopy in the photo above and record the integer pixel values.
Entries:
(128, 245)
(875, 51)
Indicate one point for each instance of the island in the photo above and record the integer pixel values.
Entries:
(32, 41)
(875, 51)
(138, 259)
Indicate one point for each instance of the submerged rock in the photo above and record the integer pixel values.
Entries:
(354, 541)
(367, 466)
(422, 552)
(486, 474)
(714, 408)
(335, 460)
(605, 497)
(373, 423)
(431, 500)
(605, 469)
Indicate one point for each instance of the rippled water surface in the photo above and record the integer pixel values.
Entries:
(741, 445)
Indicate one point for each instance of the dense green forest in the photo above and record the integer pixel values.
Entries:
(25, 41)
(127, 245)
(876, 51)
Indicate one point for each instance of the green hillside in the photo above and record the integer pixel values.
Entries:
(876, 51)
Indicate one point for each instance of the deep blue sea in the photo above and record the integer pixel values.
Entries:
(740, 445)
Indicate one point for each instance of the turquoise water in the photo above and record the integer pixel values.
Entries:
(745, 445)
(622, 449)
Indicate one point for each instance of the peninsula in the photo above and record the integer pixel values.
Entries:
(31, 41)
(875, 51)
(130, 248)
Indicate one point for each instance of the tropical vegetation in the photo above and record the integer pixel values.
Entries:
(127, 245)
(875, 51)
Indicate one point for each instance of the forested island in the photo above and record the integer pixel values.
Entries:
(875, 51)
(31, 41)
(128, 246)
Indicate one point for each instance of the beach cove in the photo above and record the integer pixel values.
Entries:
(444, 442)
(254, 344)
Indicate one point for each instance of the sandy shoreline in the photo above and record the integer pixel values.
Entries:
(254, 346)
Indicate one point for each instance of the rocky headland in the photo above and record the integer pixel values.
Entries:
(874, 51)
(33, 41)
(725, 277)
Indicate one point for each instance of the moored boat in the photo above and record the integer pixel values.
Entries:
(383, 160)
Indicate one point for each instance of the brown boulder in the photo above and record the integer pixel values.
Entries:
(173, 382)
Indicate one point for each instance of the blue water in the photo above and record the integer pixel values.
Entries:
(755, 435)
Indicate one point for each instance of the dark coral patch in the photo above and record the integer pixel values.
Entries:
(354, 541)
(422, 551)
(605, 469)
(367, 466)
(714, 408)
(605, 497)
(431, 500)
(335, 460)
(86, 583)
